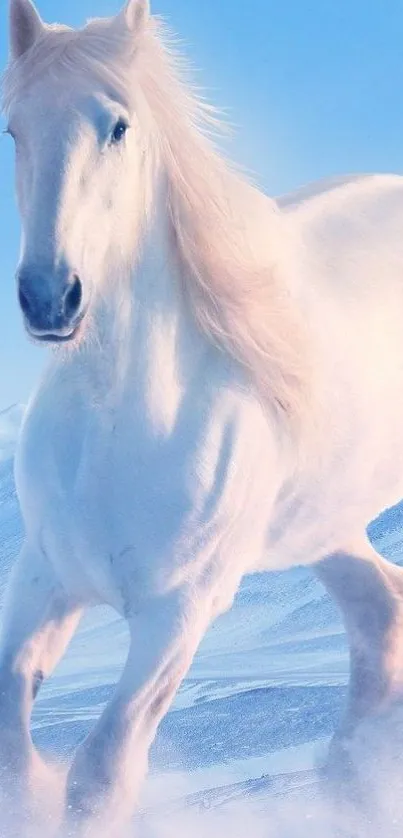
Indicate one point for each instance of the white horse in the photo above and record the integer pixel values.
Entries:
(225, 393)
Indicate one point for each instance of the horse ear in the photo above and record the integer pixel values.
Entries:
(135, 14)
(25, 26)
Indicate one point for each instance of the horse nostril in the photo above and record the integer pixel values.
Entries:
(73, 298)
(24, 302)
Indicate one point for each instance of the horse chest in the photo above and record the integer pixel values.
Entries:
(113, 502)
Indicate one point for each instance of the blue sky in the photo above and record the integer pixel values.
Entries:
(313, 87)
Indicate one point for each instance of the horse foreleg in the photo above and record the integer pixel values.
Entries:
(38, 621)
(109, 767)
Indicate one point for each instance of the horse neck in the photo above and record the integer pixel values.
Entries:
(146, 335)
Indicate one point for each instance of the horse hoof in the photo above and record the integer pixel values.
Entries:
(365, 771)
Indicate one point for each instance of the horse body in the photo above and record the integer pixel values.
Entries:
(230, 399)
(177, 439)
(348, 478)
(348, 264)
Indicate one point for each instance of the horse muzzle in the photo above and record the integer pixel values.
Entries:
(52, 306)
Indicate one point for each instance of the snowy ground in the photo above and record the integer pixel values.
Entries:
(251, 720)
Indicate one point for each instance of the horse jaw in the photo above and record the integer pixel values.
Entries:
(25, 27)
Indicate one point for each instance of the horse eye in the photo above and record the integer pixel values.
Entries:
(119, 131)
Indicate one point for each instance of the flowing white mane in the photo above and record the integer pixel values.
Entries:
(229, 236)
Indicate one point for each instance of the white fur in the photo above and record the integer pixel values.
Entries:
(25, 27)
(233, 402)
